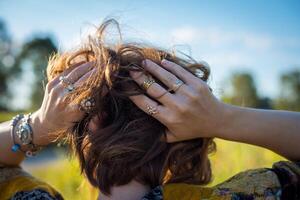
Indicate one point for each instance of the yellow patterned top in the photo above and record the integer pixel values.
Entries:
(282, 181)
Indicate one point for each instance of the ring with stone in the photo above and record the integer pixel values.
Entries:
(178, 83)
(66, 83)
(87, 104)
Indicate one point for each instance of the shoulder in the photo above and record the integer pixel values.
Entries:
(251, 184)
(282, 181)
(15, 183)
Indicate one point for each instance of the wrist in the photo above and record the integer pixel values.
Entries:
(228, 120)
(40, 135)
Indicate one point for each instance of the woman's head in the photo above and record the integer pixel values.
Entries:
(127, 144)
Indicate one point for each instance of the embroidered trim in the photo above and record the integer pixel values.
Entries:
(154, 194)
(35, 195)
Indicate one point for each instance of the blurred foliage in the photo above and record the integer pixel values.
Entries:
(243, 92)
(289, 98)
(4, 116)
(6, 60)
(34, 54)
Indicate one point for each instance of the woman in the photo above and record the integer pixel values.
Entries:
(122, 150)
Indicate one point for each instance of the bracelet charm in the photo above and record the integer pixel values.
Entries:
(24, 132)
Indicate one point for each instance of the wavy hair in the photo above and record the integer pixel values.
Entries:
(128, 146)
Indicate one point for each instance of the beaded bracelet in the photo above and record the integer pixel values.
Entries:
(25, 135)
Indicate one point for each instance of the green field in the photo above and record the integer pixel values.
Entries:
(229, 159)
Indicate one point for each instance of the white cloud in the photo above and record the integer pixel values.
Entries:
(214, 37)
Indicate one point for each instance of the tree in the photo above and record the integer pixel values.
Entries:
(242, 91)
(36, 53)
(289, 98)
(6, 62)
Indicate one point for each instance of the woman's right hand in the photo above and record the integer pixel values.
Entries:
(54, 114)
(191, 112)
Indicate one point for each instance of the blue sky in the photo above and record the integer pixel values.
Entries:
(262, 37)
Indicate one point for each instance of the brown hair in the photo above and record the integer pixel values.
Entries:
(127, 146)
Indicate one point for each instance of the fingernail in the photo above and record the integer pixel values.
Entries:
(164, 61)
(144, 62)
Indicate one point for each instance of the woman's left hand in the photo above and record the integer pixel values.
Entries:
(55, 114)
(191, 112)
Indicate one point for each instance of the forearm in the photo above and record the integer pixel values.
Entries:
(278, 131)
(8, 157)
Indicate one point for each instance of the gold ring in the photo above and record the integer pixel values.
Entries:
(147, 83)
(178, 83)
(151, 110)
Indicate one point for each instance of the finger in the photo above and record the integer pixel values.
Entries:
(79, 71)
(142, 101)
(155, 90)
(73, 108)
(56, 80)
(94, 124)
(84, 78)
(179, 71)
(163, 75)
(171, 137)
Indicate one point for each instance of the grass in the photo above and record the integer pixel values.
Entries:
(229, 159)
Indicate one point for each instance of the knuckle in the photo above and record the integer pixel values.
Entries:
(180, 108)
(202, 88)
(55, 91)
(50, 85)
(192, 96)
(170, 119)
(184, 109)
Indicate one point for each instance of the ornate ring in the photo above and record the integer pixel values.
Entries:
(178, 83)
(66, 83)
(151, 110)
(87, 104)
(147, 83)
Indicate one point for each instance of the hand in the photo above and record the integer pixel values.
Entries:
(191, 112)
(55, 114)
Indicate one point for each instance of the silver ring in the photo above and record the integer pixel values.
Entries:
(178, 83)
(66, 83)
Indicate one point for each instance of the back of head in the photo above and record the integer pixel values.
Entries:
(127, 145)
